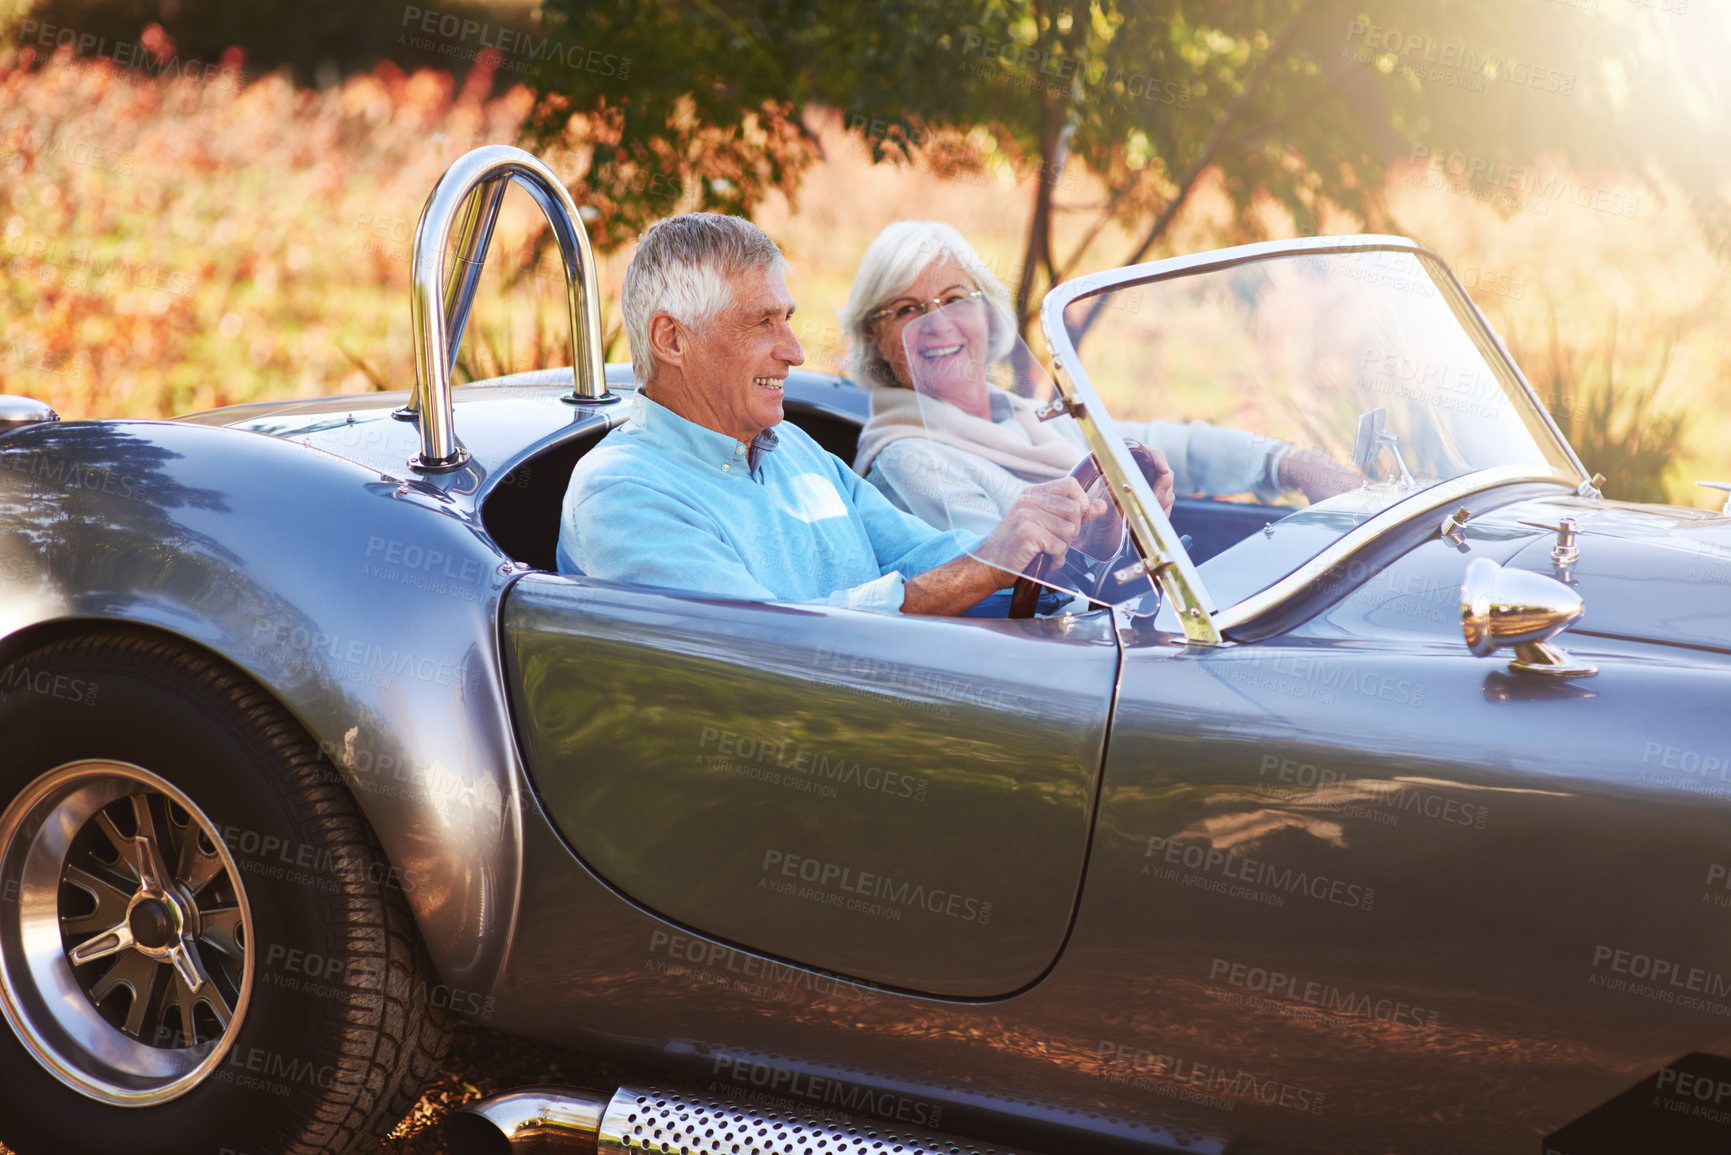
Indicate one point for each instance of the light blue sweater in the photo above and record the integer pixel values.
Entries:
(665, 502)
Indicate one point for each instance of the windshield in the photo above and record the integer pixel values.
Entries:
(1299, 396)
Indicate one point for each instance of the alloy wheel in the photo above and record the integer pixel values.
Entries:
(125, 966)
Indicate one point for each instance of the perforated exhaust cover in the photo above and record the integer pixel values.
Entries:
(683, 1123)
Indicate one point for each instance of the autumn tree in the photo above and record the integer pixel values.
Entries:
(1301, 103)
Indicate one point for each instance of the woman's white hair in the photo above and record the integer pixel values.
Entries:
(684, 266)
(894, 261)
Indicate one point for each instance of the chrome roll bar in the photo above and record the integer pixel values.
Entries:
(465, 204)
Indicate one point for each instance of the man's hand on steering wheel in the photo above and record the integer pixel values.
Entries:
(1044, 519)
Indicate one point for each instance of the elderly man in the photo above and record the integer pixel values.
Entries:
(704, 489)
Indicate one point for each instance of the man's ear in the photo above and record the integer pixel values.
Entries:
(667, 340)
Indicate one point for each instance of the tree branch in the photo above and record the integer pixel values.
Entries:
(1212, 149)
(1107, 212)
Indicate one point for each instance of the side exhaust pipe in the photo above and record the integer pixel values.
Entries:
(638, 1119)
(534, 1119)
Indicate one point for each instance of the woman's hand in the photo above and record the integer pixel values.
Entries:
(1159, 473)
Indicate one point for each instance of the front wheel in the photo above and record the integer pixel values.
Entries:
(200, 945)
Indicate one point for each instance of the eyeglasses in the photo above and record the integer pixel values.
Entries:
(921, 308)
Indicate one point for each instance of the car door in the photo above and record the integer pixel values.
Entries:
(901, 800)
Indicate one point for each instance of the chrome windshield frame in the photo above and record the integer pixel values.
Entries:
(1202, 621)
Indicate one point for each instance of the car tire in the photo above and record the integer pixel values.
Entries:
(243, 976)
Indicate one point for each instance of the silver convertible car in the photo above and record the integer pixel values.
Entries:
(1399, 821)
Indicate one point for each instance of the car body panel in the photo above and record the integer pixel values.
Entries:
(901, 800)
(1654, 572)
(1399, 892)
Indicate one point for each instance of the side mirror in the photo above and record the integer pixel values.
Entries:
(1368, 444)
(1512, 607)
(17, 412)
(1371, 425)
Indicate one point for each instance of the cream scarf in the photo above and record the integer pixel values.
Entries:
(1026, 446)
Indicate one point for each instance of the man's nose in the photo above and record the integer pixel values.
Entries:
(790, 349)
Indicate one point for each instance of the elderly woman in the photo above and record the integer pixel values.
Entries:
(960, 458)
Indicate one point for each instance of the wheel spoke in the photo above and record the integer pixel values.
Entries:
(142, 975)
(141, 815)
(218, 1005)
(150, 844)
(221, 929)
(195, 868)
(111, 901)
(188, 1010)
(126, 847)
(147, 1003)
(193, 983)
(186, 968)
(111, 941)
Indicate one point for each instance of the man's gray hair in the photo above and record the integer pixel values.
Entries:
(685, 266)
(894, 261)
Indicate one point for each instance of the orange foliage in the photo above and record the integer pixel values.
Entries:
(172, 244)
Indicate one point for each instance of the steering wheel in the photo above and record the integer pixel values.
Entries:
(1025, 594)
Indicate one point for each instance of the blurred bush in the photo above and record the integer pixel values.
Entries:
(1617, 428)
